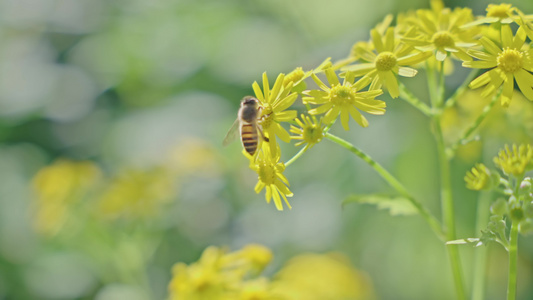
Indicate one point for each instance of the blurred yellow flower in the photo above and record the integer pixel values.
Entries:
(219, 275)
(515, 161)
(507, 62)
(136, 193)
(344, 99)
(319, 277)
(57, 187)
(271, 177)
(479, 178)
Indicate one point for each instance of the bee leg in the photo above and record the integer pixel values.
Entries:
(262, 134)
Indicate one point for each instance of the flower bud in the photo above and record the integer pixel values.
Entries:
(499, 207)
(526, 227)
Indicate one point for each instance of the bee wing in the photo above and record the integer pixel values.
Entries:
(232, 134)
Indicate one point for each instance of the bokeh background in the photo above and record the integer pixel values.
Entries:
(127, 103)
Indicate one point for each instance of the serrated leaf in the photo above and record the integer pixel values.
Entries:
(396, 205)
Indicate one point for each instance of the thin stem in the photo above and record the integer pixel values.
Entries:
(480, 260)
(296, 156)
(393, 182)
(406, 95)
(442, 87)
(448, 213)
(513, 251)
(461, 89)
(450, 152)
(432, 84)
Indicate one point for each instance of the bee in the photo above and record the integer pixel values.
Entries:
(247, 125)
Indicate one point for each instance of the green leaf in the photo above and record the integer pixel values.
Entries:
(396, 205)
(465, 241)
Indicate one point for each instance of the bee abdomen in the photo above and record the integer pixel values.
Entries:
(249, 138)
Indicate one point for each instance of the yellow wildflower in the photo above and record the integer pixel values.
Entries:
(345, 99)
(439, 31)
(309, 132)
(515, 161)
(136, 193)
(479, 178)
(271, 177)
(57, 187)
(508, 62)
(321, 276)
(273, 109)
(386, 58)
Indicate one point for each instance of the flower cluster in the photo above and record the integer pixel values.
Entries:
(513, 162)
(498, 42)
(223, 275)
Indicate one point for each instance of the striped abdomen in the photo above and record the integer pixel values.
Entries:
(249, 137)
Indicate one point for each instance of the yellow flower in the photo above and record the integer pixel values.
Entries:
(59, 186)
(386, 58)
(310, 131)
(508, 62)
(515, 161)
(136, 193)
(271, 177)
(273, 109)
(219, 275)
(496, 13)
(321, 276)
(439, 30)
(479, 178)
(345, 99)
(525, 22)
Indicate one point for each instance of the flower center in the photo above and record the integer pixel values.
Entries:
(499, 10)
(443, 39)
(267, 173)
(341, 95)
(312, 134)
(385, 61)
(266, 116)
(510, 60)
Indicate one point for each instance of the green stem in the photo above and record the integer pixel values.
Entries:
(448, 214)
(468, 132)
(296, 156)
(480, 260)
(461, 89)
(513, 251)
(406, 95)
(393, 182)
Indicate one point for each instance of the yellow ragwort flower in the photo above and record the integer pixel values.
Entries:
(515, 161)
(57, 188)
(309, 132)
(270, 172)
(136, 193)
(496, 13)
(479, 178)
(345, 99)
(273, 108)
(508, 62)
(384, 59)
(439, 30)
(525, 22)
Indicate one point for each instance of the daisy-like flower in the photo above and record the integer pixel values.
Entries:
(273, 108)
(345, 99)
(525, 22)
(439, 30)
(515, 161)
(270, 172)
(309, 132)
(385, 58)
(496, 13)
(508, 62)
(479, 178)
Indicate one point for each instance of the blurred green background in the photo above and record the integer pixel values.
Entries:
(146, 90)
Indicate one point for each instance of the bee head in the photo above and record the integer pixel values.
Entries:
(249, 101)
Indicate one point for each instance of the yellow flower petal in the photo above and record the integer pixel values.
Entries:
(358, 117)
(525, 83)
(258, 92)
(391, 83)
(345, 118)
